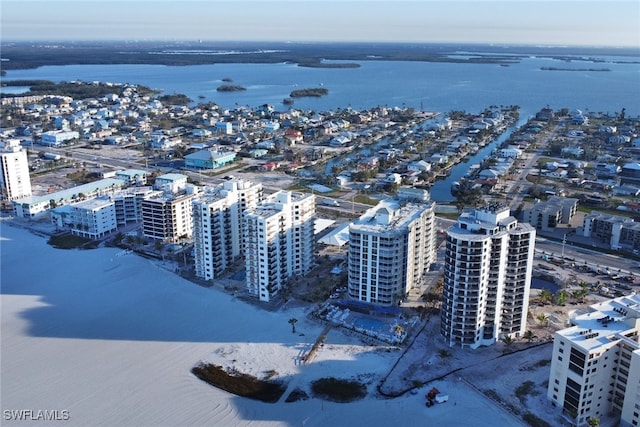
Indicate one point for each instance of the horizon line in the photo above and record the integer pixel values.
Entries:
(412, 42)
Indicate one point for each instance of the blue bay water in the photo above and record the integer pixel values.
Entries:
(441, 87)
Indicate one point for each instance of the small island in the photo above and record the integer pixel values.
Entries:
(317, 92)
(573, 69)
(287, 101)
(230, 88)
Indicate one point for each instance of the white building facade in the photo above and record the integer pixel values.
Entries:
(14, 167)
(390, 248)
(128, 203)
(218, 225)
(279, 242)
(93, 218)
(595, 364)
(488, 265)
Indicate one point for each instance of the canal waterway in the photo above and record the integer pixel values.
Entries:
(441, 189)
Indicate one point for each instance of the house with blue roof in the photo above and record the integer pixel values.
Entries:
(208, 159)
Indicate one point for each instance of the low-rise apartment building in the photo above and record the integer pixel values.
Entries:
(608, 229)
(546, 216)
(93, 218)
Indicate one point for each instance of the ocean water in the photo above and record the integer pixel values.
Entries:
(441, 87)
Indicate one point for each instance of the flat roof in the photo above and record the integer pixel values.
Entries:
(401, 215)
(67, 194)
(606, 319)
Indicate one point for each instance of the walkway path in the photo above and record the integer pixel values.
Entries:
(307, 358)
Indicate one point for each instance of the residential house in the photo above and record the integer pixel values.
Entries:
(208, 159)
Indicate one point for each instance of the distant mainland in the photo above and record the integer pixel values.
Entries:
(26, 55)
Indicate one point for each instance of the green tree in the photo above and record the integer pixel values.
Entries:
(542, 319)
(545, 296)
(444, 353)
(529, 336)
(593, 422)
(507, 340)
(117, 239)
(561, 297)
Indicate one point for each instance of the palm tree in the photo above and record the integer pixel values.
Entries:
(507, 340)
(543, 319)
(545, 296)
(399, 330)
(529, 336)
(293, 322)
(561, 297)
(444, 353)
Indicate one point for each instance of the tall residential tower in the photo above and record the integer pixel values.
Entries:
(488, 263)
(218, 225)
(279, 241)
(15, 182)
(390, 248)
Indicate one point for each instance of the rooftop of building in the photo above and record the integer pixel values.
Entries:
(172, 177)
(135, 190)
(599, 216)
(169, 197)
(389, 215)
(93, 204)
(604, 324)
(69, 193)
(131, 172)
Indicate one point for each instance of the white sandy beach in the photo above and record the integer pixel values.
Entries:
(112, 338)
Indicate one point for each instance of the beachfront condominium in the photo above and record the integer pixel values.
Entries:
(488, 263)
(279, 235)
(167, 216)
(595, 364)
(390, 248)
(93, 218)
(218, 225)
(14, 167)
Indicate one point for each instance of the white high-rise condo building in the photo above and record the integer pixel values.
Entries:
(595, 365)
(218, 225)
(14, 165)
(487, 275)
(279, 241)
(390, 248)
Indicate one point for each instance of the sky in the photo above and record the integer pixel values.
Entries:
(548, 22)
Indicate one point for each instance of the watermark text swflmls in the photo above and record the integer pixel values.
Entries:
(36, 415)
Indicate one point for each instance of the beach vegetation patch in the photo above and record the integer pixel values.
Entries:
(240, 384)
(70, 241)
(338, 390)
